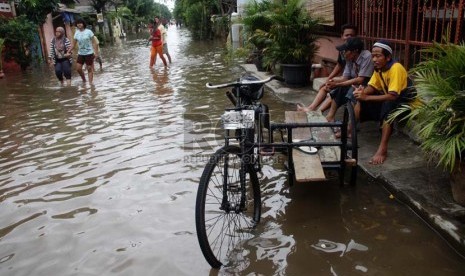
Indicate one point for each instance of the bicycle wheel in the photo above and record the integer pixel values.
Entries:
(226, 214)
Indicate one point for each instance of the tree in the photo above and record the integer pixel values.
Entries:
(99, 5)
(196, 14)
(140, 8)
(163, 11)
(19, 35)
(36, 10)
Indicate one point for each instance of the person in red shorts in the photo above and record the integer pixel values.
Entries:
(157, 44)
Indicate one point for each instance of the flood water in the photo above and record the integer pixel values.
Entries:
(102, 179)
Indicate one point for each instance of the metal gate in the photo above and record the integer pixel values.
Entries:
(408, 24)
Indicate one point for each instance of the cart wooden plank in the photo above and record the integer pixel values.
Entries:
(324, 134)
(307, 167)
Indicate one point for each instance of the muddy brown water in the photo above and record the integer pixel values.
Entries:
(102, 179)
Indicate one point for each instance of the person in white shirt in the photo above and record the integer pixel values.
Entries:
(164, 35)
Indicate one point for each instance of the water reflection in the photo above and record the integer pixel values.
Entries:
(161, 81)
(101, 179)
(331, 247)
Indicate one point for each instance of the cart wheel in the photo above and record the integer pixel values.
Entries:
(223, 219)
(352, 147)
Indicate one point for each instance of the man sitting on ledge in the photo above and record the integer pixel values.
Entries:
(383, 94)
(321, 100)
(358, 70)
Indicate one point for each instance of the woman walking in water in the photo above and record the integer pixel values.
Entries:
(157, 44)
(88, 50)
(60, 55)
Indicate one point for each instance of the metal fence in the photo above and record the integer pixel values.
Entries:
(408, 24)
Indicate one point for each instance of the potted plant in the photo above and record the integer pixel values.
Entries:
(439, 119)
(293, 36)
(257, 22)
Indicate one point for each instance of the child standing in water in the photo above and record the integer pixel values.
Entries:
(87, 52)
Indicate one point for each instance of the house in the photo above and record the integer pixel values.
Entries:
(6, 9)
(63, 17)
(408, 24)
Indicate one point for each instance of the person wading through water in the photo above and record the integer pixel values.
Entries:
(157, 44)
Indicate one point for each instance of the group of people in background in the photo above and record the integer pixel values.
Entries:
(158, 37)
(61, 49)
(373, 82)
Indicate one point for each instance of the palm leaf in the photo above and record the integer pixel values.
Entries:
(439, 118)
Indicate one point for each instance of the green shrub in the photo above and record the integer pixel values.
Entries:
(19, 35)
(439, 118)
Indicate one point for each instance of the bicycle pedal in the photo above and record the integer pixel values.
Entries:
(267, 151)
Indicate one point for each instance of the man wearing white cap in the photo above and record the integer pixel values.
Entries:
(382, 95)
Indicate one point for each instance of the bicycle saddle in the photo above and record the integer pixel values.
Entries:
(252, 91)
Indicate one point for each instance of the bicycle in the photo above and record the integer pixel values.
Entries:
(228, 203)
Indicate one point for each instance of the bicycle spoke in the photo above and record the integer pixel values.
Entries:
(222, 223)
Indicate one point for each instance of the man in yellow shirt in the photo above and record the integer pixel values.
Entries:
(384, 93)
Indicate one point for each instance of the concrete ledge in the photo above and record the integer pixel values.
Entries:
(318, 82)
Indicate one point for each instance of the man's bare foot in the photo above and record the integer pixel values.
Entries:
(301, 107)
(338, 134)
(337, 130)
(379, 157)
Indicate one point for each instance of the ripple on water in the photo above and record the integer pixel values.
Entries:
(75, 213)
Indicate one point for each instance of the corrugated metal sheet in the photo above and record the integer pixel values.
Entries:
(323, 9)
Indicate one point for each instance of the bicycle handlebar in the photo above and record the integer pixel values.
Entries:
(244, 82)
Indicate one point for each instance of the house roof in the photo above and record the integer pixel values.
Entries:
(77, 9)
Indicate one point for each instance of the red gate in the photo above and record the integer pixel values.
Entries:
(408, 24)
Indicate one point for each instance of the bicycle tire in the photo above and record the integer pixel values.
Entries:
(351, 149)
(220, 232)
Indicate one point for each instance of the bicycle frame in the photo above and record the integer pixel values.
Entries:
(229, 183)
(250, 138)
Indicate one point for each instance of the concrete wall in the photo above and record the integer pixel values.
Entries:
(328, 47)
(326, 55)
(49, 33)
